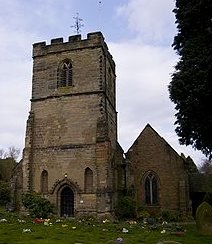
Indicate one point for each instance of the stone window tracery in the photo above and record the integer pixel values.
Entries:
(65, 74)
(151, 189)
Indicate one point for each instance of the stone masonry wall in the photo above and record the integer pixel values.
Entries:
(150, 152)
(66, 120)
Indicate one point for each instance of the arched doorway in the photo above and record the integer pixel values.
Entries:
(67, 202)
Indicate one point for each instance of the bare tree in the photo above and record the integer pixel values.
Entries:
(206, 167)
(1, 153)
(12, 153)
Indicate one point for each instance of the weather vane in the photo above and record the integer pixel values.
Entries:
(77, 24)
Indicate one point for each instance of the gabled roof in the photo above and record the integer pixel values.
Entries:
(149, 127)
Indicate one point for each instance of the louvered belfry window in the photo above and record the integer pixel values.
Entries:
(65, 74)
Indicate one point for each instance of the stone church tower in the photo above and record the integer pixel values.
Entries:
(71, 134)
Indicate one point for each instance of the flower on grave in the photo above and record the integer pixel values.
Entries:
(124, 230)
(58, 220)
(132, 222)
(21, 221)
(26, 230)
(164, 223)
(64, 226)
(38, 220)
(74, 227)
(3, 220)
(119, 240)
(105, 221)
(47, 222)
(163, 231)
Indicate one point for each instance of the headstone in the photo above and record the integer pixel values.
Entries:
(204, 218)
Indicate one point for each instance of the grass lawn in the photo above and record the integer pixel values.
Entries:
(24, 230)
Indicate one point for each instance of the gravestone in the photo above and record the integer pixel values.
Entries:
(204, 218)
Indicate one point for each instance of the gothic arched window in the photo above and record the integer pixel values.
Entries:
(64, 77)
(88, 180)
(151, 189)
(44, 182)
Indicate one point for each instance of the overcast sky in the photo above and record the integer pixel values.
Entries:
(139, 34)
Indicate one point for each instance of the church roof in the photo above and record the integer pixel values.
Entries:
(147, 130)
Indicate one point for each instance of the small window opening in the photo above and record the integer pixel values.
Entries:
(44, 182)
(88, 180)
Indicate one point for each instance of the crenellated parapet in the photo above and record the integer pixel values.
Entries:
(74, 42)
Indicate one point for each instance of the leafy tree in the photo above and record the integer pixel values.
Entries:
(4, 192)
(7, 166)
(191, 85)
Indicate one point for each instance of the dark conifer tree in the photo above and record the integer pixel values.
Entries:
(191, 85)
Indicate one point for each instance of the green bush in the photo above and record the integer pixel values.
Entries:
(142, 213)
(4, 192)
(36, 205)
(169, 216)
(125, 208)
